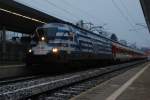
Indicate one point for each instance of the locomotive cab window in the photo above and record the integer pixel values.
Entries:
(50, 33)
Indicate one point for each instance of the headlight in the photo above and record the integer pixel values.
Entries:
(30, 51)
(55, 50)
(42, 38)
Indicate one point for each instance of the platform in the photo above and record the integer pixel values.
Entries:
(7, 71)
(134, 84)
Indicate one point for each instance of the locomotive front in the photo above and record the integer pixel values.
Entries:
(50, 44)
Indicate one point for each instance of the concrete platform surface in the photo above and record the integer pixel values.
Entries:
(7, 71)
(11, 66)
(134, 84)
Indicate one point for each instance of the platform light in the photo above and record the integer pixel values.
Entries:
(17, 14)
(55, 50)
(30, 50)
(42, 38)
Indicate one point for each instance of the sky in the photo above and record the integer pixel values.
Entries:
(119, 16)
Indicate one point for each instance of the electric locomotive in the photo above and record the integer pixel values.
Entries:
(64, 43)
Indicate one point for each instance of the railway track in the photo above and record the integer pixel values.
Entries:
(70, 91)
(20, 79)
(61, 87)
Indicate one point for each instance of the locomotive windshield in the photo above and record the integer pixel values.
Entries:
(50, 33)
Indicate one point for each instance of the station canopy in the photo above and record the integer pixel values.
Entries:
(20, 18)
(146, 10)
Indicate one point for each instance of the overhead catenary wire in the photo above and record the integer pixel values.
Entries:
(83, 12)
(127, 11)
(75, 17)
(37, 8)
(87, 13)
(122, 13)
(68, 12)
(51, 12)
